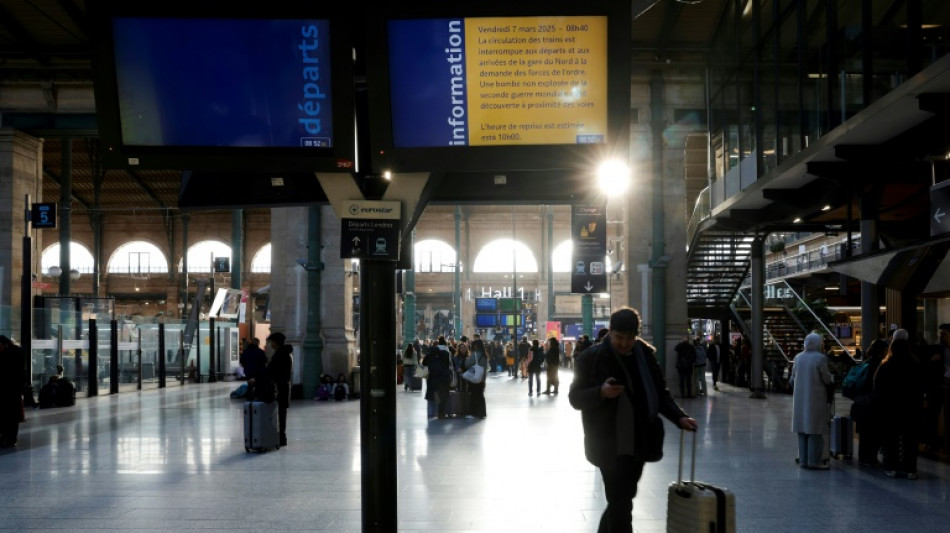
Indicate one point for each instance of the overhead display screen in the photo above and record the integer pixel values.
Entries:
(498, 81)
(204, 82)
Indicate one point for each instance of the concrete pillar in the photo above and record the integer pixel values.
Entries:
(336, 288)
(65, 216)
(21, 170)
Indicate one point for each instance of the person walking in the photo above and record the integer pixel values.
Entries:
(811, 410)
(699, 367)
(620, 391)
(714, 359)
(409, 362)
(11, 391)
(280, 371)
(534, 364)
(685, 359)
(552, 358)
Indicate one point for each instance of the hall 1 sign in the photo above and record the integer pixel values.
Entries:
(940, 208)
(370, 230)
(589, 234)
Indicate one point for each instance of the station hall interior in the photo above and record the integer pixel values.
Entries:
(787, 163)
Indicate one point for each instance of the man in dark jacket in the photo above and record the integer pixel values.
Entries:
(253, 359)
(620, 390)
(280, 369)
(523, 348)
(11, 391)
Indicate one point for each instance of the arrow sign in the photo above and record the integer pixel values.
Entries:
(356, 242)
(588, 286)
(940, 207)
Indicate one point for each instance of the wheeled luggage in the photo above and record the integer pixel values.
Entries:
(261, 431)
(842, 437)
(415, 383)
(694, 507)
(454, 406)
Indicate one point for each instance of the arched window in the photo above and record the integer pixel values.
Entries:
(200, 255)
(261, 261)
(434, 256)
(561, 256)
(504, 255)
(137, 257)
(80, 258)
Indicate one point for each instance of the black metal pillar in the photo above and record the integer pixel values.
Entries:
(758, 318)
(378, 401)
(92, 369)
(113, 357)
(161, 355)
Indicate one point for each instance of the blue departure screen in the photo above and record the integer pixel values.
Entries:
(224, 82)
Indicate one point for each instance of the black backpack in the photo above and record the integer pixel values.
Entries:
(339, 393)
(65, 393)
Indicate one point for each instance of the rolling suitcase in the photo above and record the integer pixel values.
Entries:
(842, 437)
(415, 383)
(694, 507)
(261, 431)
(454, 407)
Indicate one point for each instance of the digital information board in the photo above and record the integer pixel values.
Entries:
(224, 82)
(498, 81)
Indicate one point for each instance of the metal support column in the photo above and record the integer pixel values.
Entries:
(237, 247)
(587, 314)
(758, 317)
(409, 300)
(26, 307)
(378, 401)
(870, 296)
(457, 286)
(65, 208)
(548, 261)
(92, 369)
(657, 104)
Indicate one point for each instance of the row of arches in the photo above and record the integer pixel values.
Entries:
(431, 255)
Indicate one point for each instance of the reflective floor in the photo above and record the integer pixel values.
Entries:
(173, 459)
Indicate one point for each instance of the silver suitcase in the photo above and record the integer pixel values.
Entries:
(261, 430)
(694, 507)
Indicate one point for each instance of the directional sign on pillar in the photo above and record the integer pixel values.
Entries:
(589, 234)
(370, 230)
(940, 208)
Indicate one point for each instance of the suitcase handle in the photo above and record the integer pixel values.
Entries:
(692, 465)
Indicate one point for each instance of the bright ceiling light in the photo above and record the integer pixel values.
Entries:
(613, 176)
(826, 208)
(797, 220)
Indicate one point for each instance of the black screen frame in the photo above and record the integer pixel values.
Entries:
(388, 157)
(339, 158)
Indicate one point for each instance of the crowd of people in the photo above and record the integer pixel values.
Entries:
(899, 391)
(446, 360)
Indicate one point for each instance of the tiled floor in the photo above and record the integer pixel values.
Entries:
(174, 460)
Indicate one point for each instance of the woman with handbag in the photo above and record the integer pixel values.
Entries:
(476, 367)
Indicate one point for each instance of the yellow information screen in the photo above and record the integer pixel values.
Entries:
(536, 80)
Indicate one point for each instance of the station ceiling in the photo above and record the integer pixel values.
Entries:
(45, 44)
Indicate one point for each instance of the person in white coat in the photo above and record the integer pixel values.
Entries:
(811, 410)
